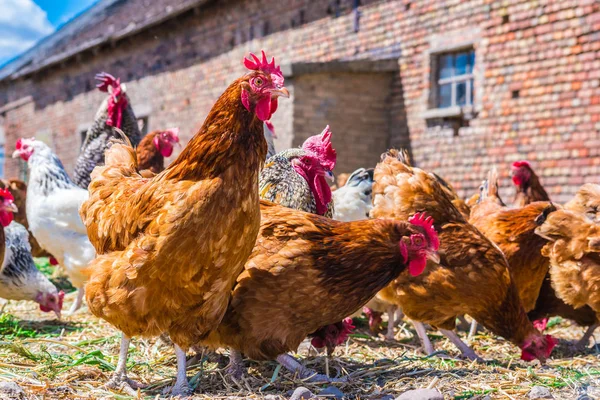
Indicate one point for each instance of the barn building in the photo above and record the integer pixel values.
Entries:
(464, 84)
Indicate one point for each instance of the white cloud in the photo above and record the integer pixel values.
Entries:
(22, 24)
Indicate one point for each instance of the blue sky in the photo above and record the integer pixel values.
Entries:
(24, 22)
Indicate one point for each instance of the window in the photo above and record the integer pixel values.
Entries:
(83, 134)
(455, 79)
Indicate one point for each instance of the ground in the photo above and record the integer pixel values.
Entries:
(73, 358)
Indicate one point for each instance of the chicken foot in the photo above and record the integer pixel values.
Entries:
(307, 374)
(391, 311)
(119, 380)
(466, 351)
(182, 387)
(78, 301)
(235, 369)
(585, 339)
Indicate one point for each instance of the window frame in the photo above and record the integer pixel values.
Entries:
(455, 80)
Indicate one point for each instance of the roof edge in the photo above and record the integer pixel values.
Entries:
(91, 44)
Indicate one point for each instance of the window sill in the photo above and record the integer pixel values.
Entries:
(465, 112)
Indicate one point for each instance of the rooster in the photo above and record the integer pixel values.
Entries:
(473, 276)
(171, 246)
(114, 112)
(53, 203)
(573, 249)
(353, 200)
(297, 178)
(527, 184)
(307, 272)
(19, 277)
(153, 149)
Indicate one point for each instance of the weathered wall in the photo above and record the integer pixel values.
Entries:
(547, 50)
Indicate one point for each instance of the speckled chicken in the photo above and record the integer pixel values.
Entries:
(296, 178)
(115, 111)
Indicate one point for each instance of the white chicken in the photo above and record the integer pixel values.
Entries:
(53, 202)
(353, 200)
(19, 277)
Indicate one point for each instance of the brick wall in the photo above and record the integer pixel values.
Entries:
(546, 51)
(355, 105)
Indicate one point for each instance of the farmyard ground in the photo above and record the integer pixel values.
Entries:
(73, 358)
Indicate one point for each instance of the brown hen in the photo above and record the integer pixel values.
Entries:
(171, 246)
(473, 276)
(307, 272)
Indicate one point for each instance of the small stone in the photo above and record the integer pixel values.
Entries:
(302, 393)
(11, 391)
(332, 391)
(540, 392)
(421, 394)
(387, 397)
(593, 391)
(271, 397)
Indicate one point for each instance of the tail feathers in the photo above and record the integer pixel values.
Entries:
(121, 152)
(401, 155)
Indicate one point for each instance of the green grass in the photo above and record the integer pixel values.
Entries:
(61, 282)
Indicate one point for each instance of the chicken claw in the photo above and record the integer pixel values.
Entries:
(182, 387)
(119, 380)
(306, 374)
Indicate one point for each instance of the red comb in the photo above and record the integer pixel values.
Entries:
(6, 195)
(105, 80)
(426, 222)
(347, 328)
(321, 146)
(521, 164)
(256, 64)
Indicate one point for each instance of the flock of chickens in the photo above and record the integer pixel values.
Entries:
(199, 252)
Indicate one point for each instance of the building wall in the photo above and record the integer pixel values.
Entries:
(355, 105)
(547, 51)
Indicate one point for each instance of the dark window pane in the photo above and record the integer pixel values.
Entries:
(461, 63)
(471, 61)
(461, 93)
(472, 93)
(445, 98)
(446, 70)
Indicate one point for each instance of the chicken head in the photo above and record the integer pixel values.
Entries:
(262, 86)
(165, 141)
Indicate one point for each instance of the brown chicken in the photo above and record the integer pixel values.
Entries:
(586, 201)
(513, 230)
(307, 272)
(574, 259)
(18, 189)
(153, 149)
(171, 247)
(527, 184)
(473, 276)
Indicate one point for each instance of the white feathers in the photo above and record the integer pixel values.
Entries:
(353, 201)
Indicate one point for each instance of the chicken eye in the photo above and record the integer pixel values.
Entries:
(258, 81)
(418, 241)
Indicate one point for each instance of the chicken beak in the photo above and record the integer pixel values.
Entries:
(16, 154)
(329, 176)
(12, 207)
(58, 314)
(433, 256)
(281, 92)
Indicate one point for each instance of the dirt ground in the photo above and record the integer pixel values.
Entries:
(73, 358)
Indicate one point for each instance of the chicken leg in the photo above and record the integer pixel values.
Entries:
(78, 301)
(292, 365)
(235, 369)
(422, 333)
(391, 312)
(182, 387)
(462, 346)
(583, 342)
(119, 380)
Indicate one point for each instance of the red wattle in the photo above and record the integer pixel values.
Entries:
(417, 266)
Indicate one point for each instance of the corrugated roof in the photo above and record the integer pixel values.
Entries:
(104, 22)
